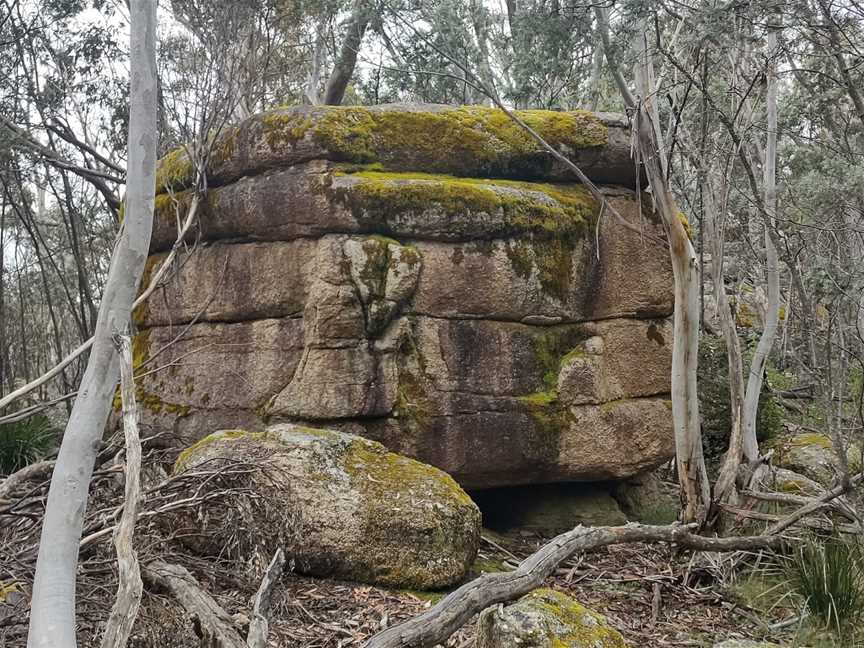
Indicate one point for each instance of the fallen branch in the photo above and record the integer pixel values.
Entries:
(437, 624)
(821, 525)
(815, 505)
(37, 470)
(215, 624)
(129, 586)
(260, 625)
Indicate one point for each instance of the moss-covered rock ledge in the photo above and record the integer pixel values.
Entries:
(338, 504)
(465, 141)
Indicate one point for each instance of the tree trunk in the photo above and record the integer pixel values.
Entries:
(692, 475)
(750, 444)
(361, 12)
(52, 616)
(724, 487)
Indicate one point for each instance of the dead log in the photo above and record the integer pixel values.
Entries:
(453, 611)
(260, 624)
(34, 471)
(129, 587)
(214, 624)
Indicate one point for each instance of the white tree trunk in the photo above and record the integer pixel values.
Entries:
(52, 614)
(692, 475)
(772, 268)
(724, 487)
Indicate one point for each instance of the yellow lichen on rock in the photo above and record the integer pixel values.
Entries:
(546, 618)
(467, 141)
(342, 505)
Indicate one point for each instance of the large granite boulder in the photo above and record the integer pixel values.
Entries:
(485, 318)
(338, 504)
(545, 618)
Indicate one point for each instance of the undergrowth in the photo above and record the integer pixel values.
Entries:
(826, 573)
(24, 442)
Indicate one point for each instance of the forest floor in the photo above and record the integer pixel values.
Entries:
(651, 595)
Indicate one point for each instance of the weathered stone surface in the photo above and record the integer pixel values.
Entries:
(223, 283)
(601, 369)
(789, 481)
(545, 619)
(646, 498)
(464, 141)
(617, 439)
(529, 256)
(491, 327)
(340, 506)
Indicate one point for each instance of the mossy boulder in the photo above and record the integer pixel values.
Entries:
(545, 618)
(465, 141)
(812, 454)
(338, 504)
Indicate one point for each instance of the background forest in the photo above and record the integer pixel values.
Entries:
(759, 107)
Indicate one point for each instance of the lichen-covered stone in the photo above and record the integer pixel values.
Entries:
(812, 454)
(646, 498)
(545, 618)
(425, 277)
(465, 141)
(340, 505)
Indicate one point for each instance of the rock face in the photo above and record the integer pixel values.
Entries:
(545, 619)
(490, 322)
(338, 504)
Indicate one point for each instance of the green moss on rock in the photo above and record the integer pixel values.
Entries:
(466, 141)
(546, 618)
(561, 212)
(345, 506)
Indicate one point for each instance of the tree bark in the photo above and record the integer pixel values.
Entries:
(692, 475)
(260, 624)
(724, 486)
(361, 12)
(52, 616)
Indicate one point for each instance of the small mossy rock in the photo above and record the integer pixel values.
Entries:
(784, 480)
(812, 454)
(340, 505)
(545, 619)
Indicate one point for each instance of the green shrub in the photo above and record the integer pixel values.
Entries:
(24, 442)
(827, 574)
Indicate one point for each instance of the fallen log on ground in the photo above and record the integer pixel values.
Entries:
(215, 625)
(453, 611)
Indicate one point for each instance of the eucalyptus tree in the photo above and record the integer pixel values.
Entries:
(52, 611)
